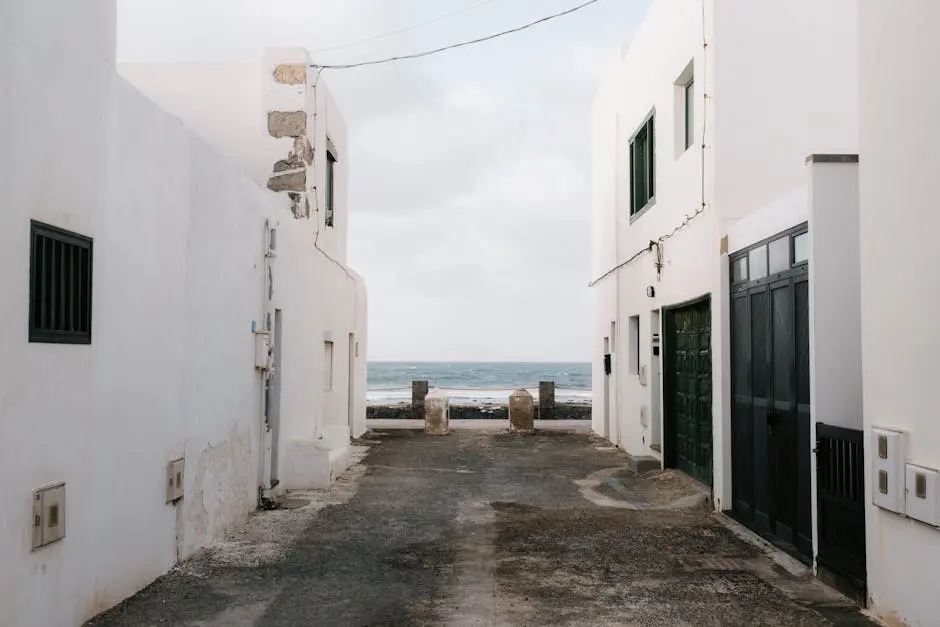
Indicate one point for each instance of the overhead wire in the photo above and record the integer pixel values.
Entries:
(407, 29)
(427, 53)
(657, 244)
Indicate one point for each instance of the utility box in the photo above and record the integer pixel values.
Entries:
(262, 350)
(922, 486)
(48, 515)
(888, 459)
(174, 480)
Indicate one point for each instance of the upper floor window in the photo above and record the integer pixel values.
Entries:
(642, 170)
(330, 186)
(60, 286)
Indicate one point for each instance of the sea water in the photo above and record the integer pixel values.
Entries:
(470, 383)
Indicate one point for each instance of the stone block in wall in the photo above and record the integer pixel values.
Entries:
(295, 181)
(299, 205)
(521, 411)
(290, 74)
(287, 123)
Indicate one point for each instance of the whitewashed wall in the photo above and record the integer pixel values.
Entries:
(178, 279)
(781, 86)
(329, 300)
(899, 162)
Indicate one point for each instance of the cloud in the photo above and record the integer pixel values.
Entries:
(469, 171)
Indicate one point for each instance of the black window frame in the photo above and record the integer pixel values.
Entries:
(330, 188)
(795, 267)
(72, 299)
(643, 197)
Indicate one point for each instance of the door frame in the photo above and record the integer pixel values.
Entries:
(669, 453)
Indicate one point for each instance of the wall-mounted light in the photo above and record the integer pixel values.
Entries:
(650, 291)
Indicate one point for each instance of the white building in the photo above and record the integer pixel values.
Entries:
(141, 274)
(723, 295)
(899, 101)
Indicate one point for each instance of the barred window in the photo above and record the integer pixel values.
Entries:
(60, 286)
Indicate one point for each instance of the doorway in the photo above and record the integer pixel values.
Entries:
(272, 402)
(351, 400)
(687, 389)
(607, 370)
(770, 417)
(656, 435)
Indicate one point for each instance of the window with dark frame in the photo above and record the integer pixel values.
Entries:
(766, 259)
(642, 174)
(330, 187)
(60, 286)
(689, 112)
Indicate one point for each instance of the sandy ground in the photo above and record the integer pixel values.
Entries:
(488, 528)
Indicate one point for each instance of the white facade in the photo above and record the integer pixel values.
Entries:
(179, 280)
(778, 84)
(899, 162)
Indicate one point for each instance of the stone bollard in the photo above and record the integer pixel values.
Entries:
(521, 411)
(546, 400)
(437, 413)
(419, 391)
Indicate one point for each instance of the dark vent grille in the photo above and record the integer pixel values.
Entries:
(60, 286)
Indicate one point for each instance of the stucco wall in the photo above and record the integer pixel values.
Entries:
(786, 81)
(781, 85)
(641, 82)
(178, 279)
(214, 98)
(899, 188)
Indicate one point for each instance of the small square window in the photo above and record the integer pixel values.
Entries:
(779, 250)
(757, 260)
(60, 286)
(801, 248)
(739, 270)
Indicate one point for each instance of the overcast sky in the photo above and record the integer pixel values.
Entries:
(469, 170)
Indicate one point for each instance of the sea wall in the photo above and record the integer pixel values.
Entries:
(563, 411)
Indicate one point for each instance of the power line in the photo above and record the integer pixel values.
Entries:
(408, 29)
(471, 42)
(657, 244)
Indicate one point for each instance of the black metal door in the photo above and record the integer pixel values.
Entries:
(688, 389)
(770, 408)
(840, 471)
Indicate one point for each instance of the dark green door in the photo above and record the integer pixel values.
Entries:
(688, 389)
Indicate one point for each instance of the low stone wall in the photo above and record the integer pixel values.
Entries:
(563, 411)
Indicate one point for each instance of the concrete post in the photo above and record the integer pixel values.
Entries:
(521, 411)
(546, 400)
(437, 413)
(419, 391)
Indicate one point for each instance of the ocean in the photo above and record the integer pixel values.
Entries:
(477, 383)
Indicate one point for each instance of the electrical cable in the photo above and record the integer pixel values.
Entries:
(461, 44)
(408, 29)
(687, 219)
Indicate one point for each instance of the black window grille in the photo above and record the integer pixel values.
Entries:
(60, 286)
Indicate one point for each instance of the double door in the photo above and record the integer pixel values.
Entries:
(771, 452)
